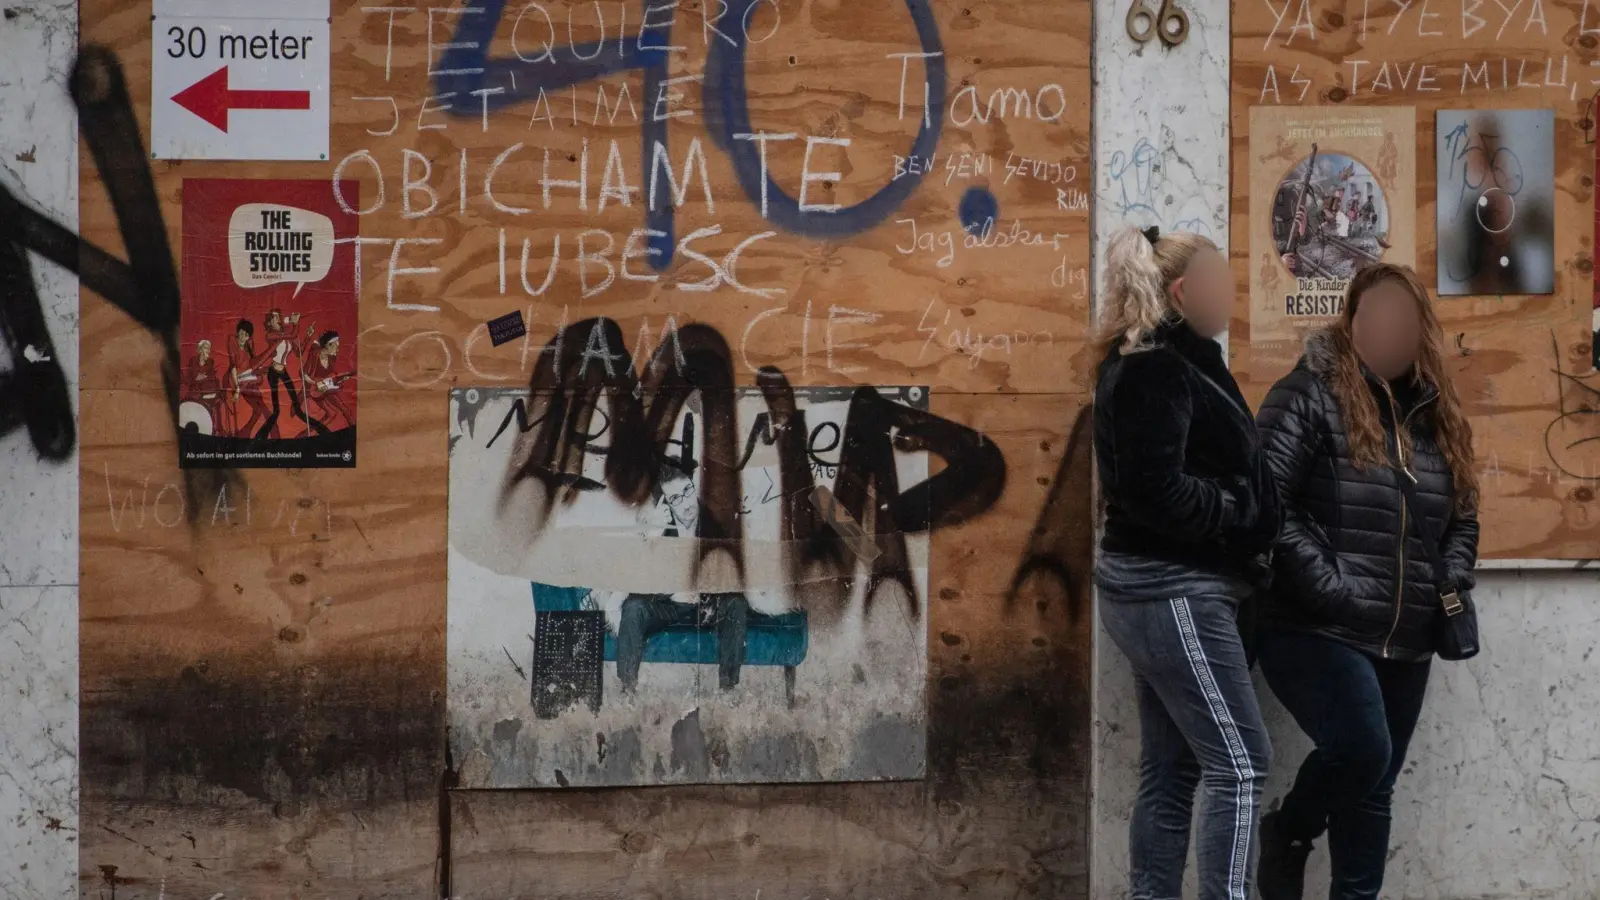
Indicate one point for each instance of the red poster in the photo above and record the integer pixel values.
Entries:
(269, 325)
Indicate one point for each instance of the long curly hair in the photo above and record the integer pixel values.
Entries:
(1363, 425)
(1140, 267)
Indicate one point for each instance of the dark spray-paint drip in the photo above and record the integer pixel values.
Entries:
(34, 393)
(1065, 528)
(566, 395)
(110, 128)
(972, 481)
(552, 443)
(145, 287)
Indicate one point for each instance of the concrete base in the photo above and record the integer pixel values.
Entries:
(1500, 797)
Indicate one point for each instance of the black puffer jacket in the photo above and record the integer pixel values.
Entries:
(1179, 458)
(1343, 547)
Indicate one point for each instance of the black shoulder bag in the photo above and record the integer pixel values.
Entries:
(1455, 634)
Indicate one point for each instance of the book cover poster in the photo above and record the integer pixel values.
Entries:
(1331, 191)
(269, 325)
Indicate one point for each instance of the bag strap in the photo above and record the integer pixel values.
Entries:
(1431, 541)
(1236, 404)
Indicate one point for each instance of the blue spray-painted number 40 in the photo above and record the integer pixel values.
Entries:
(466, 69)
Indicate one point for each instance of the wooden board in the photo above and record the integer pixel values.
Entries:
(263, 670)
(1523, 364)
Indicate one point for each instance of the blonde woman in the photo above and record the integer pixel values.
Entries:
(1349, 633)
(1189, 513)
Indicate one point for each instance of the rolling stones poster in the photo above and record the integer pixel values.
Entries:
(268, 338)
(1331, 191)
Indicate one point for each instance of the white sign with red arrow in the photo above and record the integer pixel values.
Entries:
(226, 85)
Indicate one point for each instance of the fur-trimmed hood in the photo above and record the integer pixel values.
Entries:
(1323, 357)
(1322, 351)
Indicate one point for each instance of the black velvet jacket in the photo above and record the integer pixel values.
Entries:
(1179, 458)
(1349, 566)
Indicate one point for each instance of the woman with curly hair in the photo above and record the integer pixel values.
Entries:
(1367, 417)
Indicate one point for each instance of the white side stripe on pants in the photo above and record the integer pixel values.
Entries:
(1244, 803)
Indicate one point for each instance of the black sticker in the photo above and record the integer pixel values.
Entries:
(567, 657)
(508, 327)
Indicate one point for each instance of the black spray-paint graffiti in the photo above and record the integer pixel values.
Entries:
(34, 393)
(1573, 436)
(1064, 531)
(557, 428)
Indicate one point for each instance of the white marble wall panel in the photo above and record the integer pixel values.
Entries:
(38, 499)
(39, 162)
(38, 742)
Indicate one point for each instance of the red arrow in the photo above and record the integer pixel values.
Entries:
(210, 98)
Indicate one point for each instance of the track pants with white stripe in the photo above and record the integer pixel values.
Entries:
(1200, 726)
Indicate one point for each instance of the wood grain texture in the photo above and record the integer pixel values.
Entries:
(263, 669)
(1539, 475)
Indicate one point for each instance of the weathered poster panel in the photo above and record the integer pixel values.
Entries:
(1496, 193)
(1331, 191)
(658, 588)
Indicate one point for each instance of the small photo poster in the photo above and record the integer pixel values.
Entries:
(269, 324)
(1497, 201)
(1331, 192)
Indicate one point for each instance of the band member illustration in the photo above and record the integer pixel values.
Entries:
(284, 342)
(323, 384)
(245, 377)
(201, 384)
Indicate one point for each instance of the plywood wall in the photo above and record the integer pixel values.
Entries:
(263, 653)
(1523, 364)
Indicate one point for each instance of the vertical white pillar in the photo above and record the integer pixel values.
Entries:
(1161, 158)
(39, 499)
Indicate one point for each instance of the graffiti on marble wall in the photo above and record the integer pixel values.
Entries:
(1143, 190)
(33, 392)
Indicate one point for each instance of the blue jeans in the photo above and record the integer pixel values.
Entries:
(646, 614)
(1360, 712)
(1199, 725)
